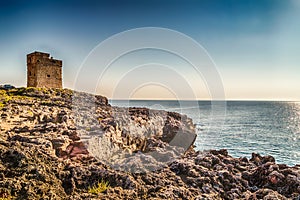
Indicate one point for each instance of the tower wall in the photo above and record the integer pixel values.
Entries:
(43, 71)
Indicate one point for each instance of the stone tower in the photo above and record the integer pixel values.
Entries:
(43, 71)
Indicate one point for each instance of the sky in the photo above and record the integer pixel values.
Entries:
(254, 44)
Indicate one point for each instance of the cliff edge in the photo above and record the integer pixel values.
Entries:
(61, 144)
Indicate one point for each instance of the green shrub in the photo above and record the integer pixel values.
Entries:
(99, 187)
(3, 93)
(5, 198)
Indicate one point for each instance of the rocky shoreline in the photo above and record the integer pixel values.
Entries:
(49, 150)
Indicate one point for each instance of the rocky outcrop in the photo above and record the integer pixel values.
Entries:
(56, 144)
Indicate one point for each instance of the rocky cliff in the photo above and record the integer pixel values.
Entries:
(58, 144)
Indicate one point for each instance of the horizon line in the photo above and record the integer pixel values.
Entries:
(162, 99)
(143, 99)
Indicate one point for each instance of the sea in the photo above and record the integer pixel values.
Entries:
(241, 127)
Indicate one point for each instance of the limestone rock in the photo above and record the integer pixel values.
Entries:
(44, 153)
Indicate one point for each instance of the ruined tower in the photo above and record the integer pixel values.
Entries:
(43, 71)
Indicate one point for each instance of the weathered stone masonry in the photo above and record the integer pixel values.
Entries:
(43, 71)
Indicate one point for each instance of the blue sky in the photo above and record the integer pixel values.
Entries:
(254, 43)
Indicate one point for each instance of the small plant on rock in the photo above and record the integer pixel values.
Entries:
(99, 187)
(5, 198)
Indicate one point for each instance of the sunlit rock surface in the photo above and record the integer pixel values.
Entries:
(55, 144)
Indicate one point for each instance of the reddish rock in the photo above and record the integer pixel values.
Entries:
(76, 149)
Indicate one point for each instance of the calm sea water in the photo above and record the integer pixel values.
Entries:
(242, 127)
